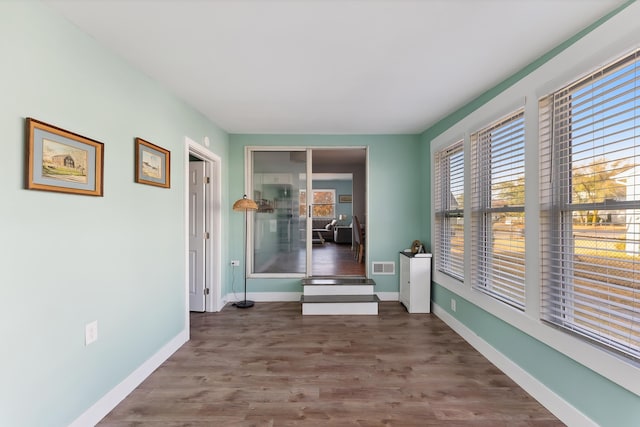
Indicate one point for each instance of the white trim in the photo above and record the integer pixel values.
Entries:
(309, 211)
(248, 187)
(388, 296)
(609, 365)
(567, 413)
(111, 399)
(613, 38)
(264, 296)
(367, 216)
(214, 246)
(292, 296)
(248, 215)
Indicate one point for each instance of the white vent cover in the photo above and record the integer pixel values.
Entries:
(387, 267)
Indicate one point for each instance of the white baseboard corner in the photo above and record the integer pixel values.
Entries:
(559, 407)
(291, 296)
(388, 296)
(110, 400)
(264, 296)
(554, 403)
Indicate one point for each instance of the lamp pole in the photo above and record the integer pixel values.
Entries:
(245, 303)
(245, 205)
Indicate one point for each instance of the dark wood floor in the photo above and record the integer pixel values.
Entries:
(269, 366)
(333, 259)
(329, 259)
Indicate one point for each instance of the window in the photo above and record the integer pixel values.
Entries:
(590, 206)
(323, 205)
(497, 206)
(449, 205)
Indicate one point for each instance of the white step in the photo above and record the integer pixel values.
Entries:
(339, 304)
(338, 290)
(337, 286)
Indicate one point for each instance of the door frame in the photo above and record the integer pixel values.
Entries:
(248, 189)
(198, 200)
(213, 224)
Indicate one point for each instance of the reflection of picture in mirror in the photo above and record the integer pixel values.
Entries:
(151, 165)
(64, 162)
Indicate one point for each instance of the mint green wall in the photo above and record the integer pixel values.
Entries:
(394, 212)
(600, 399)
(66, 260)
(578, 385)
(448, 121)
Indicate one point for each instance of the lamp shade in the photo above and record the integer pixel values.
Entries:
(245, 204)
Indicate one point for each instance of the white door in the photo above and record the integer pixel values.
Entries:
(197, 237)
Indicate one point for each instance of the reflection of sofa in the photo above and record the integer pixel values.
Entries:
(323, 224)
(342, 234)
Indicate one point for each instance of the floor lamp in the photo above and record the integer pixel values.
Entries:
(244, 205)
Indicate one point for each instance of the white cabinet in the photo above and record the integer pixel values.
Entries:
(415, 282)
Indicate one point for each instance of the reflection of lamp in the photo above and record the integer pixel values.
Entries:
(244, 205)
(342, 217)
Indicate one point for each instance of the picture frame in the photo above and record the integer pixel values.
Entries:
(153, 164)
(345, 198)
(62, 161)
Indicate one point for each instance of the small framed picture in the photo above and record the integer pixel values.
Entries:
(63, 161)
(152, 164)
(344, 198)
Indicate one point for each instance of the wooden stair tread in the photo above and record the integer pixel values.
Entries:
(338, 298)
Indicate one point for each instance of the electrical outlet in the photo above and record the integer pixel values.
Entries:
(91, 332)
(235, 263)
(453, 305)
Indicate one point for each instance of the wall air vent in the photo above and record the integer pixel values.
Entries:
(387, 267)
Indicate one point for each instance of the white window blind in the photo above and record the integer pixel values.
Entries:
(449, 210)
(590, 217)
(497, 223)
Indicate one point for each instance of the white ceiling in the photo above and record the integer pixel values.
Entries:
(332, 66)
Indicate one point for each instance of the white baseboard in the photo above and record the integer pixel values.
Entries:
(554, 403)
(110, 400)
(264, 296)
(562, 409)
(290, 296)
(388, 296)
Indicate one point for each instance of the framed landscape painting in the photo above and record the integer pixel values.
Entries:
(63, 161)
(152, 164)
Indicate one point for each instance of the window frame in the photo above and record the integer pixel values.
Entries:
(564, 296)
(601, 46)
(444, 212)
(313, 205)
(492, 273)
